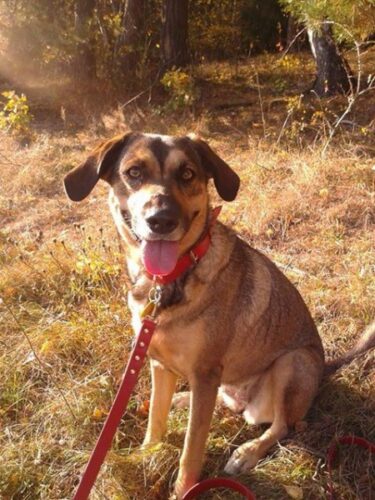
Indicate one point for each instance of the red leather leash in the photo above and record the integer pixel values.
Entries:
(218, 482)
(120, 403)
(332, 452)
(223, 482)
(113, 419)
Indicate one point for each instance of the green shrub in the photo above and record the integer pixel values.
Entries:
(181, 88)
(15, 114)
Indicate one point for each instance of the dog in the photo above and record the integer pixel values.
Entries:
(229, 322)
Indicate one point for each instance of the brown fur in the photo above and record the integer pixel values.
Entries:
(233, 326)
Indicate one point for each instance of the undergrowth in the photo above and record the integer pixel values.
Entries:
(65, 328)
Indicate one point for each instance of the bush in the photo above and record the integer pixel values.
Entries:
(181, 88)
(15, 115)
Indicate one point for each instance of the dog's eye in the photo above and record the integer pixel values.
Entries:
(134, 172)
(186, 173)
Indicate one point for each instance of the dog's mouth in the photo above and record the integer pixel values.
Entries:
(159, 256)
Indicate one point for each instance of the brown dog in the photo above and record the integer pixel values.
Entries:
(231, 324)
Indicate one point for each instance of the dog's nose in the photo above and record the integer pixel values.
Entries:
(162, 222)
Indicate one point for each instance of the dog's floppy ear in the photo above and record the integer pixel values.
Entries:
(226, 180)
(80, 181)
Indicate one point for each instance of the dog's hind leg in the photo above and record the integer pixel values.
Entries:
(287, 392)
(163, 387)
(248, 454)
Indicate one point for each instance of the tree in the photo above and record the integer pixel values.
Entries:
(334, 75)
(175, 33)
(130, 39)
(330, 22)
(263, 24)
(85, 60)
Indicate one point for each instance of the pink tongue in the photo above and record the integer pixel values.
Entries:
(160, 257)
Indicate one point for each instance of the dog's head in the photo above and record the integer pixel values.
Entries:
(159, 190)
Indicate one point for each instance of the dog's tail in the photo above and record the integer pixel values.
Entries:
(365, 343)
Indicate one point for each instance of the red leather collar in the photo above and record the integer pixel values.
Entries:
(192, 257)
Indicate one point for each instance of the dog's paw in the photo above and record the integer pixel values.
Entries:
(243, 459)
(181, 400)
(150, 442)
(183, 485)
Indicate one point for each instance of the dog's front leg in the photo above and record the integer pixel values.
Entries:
(163, 387)
(204, 388)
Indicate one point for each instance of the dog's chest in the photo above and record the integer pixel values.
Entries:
(178, 347)
(177, 341)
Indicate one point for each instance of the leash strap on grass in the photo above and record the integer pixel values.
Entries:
(120, 403)
(332, 453)
(218, 482)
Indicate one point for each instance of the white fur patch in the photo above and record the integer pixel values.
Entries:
(167, 139)
(175, 157)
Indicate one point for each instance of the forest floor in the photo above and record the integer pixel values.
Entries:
(65, 334)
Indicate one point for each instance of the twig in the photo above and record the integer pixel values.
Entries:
(261, 104)
(135, 97)
(292, 42)
(233, 105)
(352, 99)
(354, 93)
(290, 112)
(148, 89)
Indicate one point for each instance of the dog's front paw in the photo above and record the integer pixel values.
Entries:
(183, 485)
(150, 441)
(181, 400)
(243, 459)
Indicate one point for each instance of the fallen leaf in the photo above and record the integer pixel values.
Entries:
(294, 492)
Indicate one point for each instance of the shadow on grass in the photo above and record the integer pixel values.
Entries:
(295, 467)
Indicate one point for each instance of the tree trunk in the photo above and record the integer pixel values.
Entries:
(175, 33)
(85, 64)
(334, 75)
(129, 43)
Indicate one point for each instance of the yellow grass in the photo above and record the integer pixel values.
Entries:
(65, 333)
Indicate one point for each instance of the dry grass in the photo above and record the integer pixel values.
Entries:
(65, 332)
